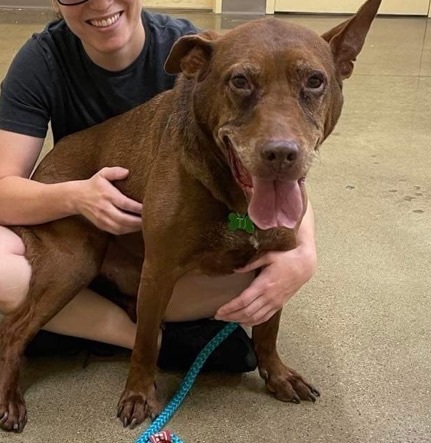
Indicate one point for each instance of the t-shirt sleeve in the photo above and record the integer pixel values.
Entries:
(25, 92)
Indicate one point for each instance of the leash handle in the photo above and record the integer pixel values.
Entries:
(153, 434)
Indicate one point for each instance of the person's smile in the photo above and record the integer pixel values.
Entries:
(111, 31)
(108, 22)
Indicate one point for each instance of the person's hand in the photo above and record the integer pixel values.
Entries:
(105, 206)
(281, 276)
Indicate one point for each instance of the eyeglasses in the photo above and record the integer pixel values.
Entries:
(71, 2)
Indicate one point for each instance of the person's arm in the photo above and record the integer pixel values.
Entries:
(27, 202)
(282, 275)
(23, 201)
(307, 243)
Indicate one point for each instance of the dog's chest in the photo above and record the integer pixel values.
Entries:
(229, 249)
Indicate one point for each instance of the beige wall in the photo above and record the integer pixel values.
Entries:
(25, 3)
(402, 7)
(183, 4)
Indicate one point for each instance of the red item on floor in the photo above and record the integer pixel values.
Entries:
(161, 437)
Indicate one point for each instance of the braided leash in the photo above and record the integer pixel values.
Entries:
(153, 433)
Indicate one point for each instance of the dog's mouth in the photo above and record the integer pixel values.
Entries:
(271, 203)
(240, 173)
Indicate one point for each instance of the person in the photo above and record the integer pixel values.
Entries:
(99, 59)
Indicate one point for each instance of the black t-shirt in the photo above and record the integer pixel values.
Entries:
(52, 79)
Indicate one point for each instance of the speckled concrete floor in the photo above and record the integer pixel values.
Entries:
(361, 330)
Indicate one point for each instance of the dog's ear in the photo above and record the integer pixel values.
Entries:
(191, 53)
(346, 40)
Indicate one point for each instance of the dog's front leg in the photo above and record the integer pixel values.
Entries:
(285, 383)
(138, 400)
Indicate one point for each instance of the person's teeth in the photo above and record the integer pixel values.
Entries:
(105, 22)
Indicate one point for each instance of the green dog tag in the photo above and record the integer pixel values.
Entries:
(240, 222)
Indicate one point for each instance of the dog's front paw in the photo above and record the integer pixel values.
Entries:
(13, 413)
(287, 385)
(135, 406)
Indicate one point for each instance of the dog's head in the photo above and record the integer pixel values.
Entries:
(270, 92)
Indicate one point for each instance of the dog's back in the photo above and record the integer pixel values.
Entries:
(130, 140)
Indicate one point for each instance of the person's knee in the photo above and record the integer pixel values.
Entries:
(14, 283)
(13, 288)
(15, 271)
(10, 243)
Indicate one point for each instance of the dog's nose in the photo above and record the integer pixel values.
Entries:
(280, 152)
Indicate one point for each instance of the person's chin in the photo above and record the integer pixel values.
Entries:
(112, 45)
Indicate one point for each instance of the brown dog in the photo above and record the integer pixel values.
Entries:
(236, 135)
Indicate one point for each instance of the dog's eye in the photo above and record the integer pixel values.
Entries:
(315, 81)
(240, 82)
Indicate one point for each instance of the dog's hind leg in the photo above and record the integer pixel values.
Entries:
(65, 257)
(285, 383)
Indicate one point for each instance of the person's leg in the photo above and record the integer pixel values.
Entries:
(93, 317)
(199, 296)
(15, 271)
(88, 315)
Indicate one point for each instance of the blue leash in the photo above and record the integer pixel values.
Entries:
(170, 409)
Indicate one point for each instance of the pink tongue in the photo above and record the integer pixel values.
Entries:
(275, 204)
